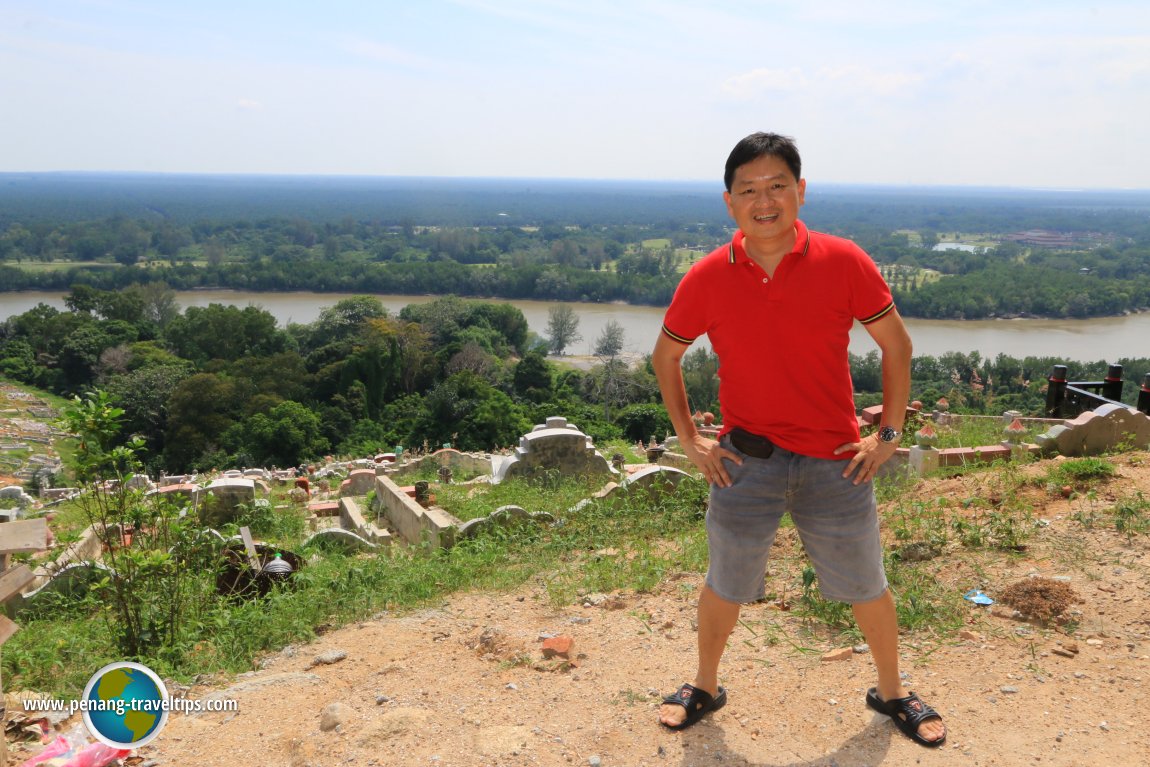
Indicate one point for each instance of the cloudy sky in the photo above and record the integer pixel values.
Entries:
(1041, 93)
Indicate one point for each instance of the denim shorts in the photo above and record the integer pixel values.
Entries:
(836, 520)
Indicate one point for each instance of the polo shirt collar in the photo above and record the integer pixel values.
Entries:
(736, 253)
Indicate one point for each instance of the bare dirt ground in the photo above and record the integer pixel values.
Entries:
(466, 684)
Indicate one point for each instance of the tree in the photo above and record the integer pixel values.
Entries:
(143, 394)
(287, 434)
(150, 593)
(562, 328)
(471, 414)
(610, 341)
(347, 317)
(532, 378)
(226, 333)
(607, 348)
(701, 379)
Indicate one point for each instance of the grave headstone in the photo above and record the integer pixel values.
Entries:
(16, 537)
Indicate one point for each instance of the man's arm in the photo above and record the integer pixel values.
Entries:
(667, 362)
(895, 345)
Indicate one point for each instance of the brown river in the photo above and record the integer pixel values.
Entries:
(1104, 339)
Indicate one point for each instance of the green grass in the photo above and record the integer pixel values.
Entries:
(1079, 473)
(62, 266)
(976, 432)
(478, 500)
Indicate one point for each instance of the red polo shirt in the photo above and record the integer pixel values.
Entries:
(782, 341)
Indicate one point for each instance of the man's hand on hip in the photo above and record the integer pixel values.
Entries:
(708, 455)
(870, 453)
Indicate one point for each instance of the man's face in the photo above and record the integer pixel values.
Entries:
(765, 198)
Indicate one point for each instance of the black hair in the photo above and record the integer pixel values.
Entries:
(755, 146)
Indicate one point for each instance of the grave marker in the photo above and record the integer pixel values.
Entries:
(15, 537)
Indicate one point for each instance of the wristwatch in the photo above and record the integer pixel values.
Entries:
(889, 434)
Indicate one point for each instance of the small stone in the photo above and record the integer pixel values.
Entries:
(1079, 675)
(972, 636)
(843, 653)
(329, 657)
(559, 646)
(381, 699)
(1008, 689)
(1104, 726)
(594, 761)
(333, 715)
(860, 649)
(512, 686)
(1094, 642)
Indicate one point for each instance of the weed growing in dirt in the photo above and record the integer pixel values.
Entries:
(1132, 514)
(919, 522)
(1129, 515)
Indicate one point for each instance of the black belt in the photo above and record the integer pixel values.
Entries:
(751, 444)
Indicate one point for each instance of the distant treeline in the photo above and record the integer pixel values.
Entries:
(183, 199)
(535, 281)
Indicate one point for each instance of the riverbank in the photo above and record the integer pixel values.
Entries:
(1105, 339)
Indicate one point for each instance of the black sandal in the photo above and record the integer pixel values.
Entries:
(907, 714)
(696, 702)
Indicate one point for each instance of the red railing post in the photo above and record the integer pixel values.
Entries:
(1056, 391)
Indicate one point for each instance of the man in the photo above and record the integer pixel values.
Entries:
(777, 304)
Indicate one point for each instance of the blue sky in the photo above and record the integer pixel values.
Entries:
(1047, 94)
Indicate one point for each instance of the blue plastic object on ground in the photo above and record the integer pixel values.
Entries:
(976, 596)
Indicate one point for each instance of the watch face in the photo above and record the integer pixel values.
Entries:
(888, 434)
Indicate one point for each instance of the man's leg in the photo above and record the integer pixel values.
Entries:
(717, 618)
(878, 622)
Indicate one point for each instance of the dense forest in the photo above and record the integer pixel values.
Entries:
(554, 240)
(223, 386)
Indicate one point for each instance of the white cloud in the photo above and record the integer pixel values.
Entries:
(250, 105)
(856, 78)
(828, 82)
(385, 53)
(751, 84)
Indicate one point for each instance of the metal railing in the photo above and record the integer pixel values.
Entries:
(1067, 399)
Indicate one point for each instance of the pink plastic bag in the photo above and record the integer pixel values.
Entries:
(91, 755)
(56, 748)
(96, 755)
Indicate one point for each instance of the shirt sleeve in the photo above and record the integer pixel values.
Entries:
(684, 320)
(870, 295)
